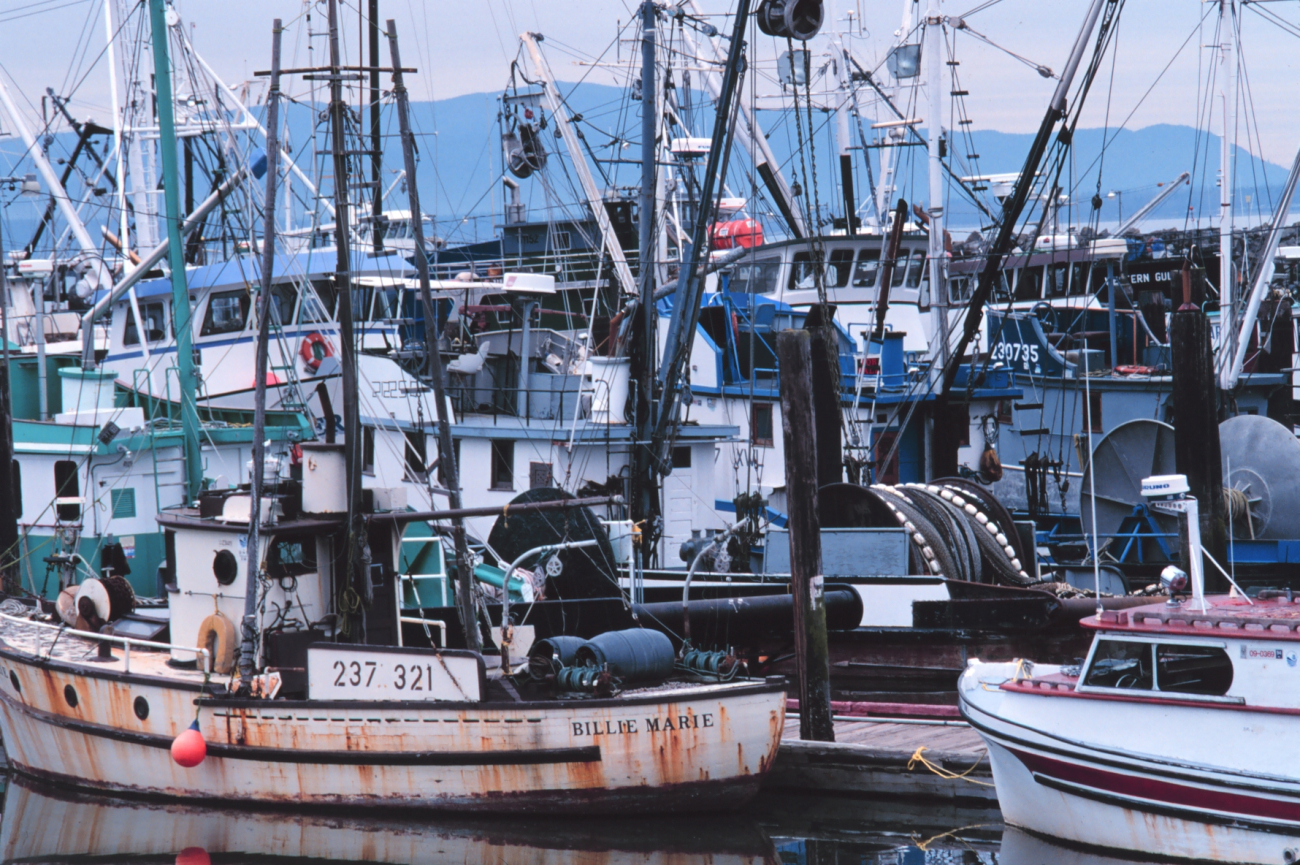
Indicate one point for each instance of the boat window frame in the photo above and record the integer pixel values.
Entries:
(840, 262)
(916, 268)
(764, 273)
(1154, 692)
(130, 326)
(209, 326)
(868, 261)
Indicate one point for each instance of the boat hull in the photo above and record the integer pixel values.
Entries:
(698, 748)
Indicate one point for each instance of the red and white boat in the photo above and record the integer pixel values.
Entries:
(1176, 736)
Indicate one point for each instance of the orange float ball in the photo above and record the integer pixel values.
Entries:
(189, 749)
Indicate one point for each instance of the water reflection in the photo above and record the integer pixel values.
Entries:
(50, 825)
(846, 829)
(1021, 848)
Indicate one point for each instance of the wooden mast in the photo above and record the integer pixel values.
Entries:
(347, 350)
(248, 643)
(446, 449)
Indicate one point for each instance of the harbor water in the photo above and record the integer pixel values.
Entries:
(49, 824)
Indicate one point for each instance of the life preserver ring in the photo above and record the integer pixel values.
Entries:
(1135, 370)
(308, 350)
(217, 635)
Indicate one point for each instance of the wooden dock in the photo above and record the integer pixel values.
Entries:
(879, 757)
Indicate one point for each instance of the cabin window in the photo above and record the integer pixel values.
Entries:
(803, 275)
(840, 268)
(284, 297)
(758, 277)
(503, 465)
(18, 490)
(562, 241)
(959, 288)
(915, 268)
(66, 486)
(416, 455)
(385, 307)
(368, 450)
(682, 457)
(291, 556)
(1121, 664)
(1029, 283)
(1079, 278)
(227, 313)
(155, 324)
(1203, 670)
(760, 427)
(1058, 277)
(317, 305)
(867, 270)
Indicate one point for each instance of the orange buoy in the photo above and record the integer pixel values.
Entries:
(189, 749)
(193, 856)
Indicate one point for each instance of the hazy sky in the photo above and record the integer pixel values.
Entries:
(466, 47)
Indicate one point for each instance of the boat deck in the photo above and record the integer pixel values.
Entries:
(42, 641)
(879, 757)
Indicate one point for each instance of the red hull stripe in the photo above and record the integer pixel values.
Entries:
(1274, 807)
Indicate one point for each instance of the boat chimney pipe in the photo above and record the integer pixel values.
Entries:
(515, 211)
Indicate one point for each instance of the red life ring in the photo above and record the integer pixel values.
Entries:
(308, 350)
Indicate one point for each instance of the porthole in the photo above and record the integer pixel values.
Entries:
(141, 708)
(225, 567)
(13, 678)
(70, 694)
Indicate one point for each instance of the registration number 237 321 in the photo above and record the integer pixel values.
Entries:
(361, 673)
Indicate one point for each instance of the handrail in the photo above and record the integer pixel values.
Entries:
(126, 642)
(505, 591)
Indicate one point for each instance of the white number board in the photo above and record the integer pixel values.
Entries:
(345, 672)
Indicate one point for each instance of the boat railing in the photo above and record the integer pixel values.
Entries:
(125, 642)
(500, 401)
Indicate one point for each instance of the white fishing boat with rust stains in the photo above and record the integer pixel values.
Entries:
(337, 722)
(294, 670)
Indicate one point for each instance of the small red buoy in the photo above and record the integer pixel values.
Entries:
(189, 749)
(193, 856)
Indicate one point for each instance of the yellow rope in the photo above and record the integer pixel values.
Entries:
(951, 833)
(918, 757)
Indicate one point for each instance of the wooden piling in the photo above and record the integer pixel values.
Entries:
(794, 350)
(825, 356)
(1196, 431)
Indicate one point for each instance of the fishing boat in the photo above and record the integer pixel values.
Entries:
(1172, 735)
(326, 705)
